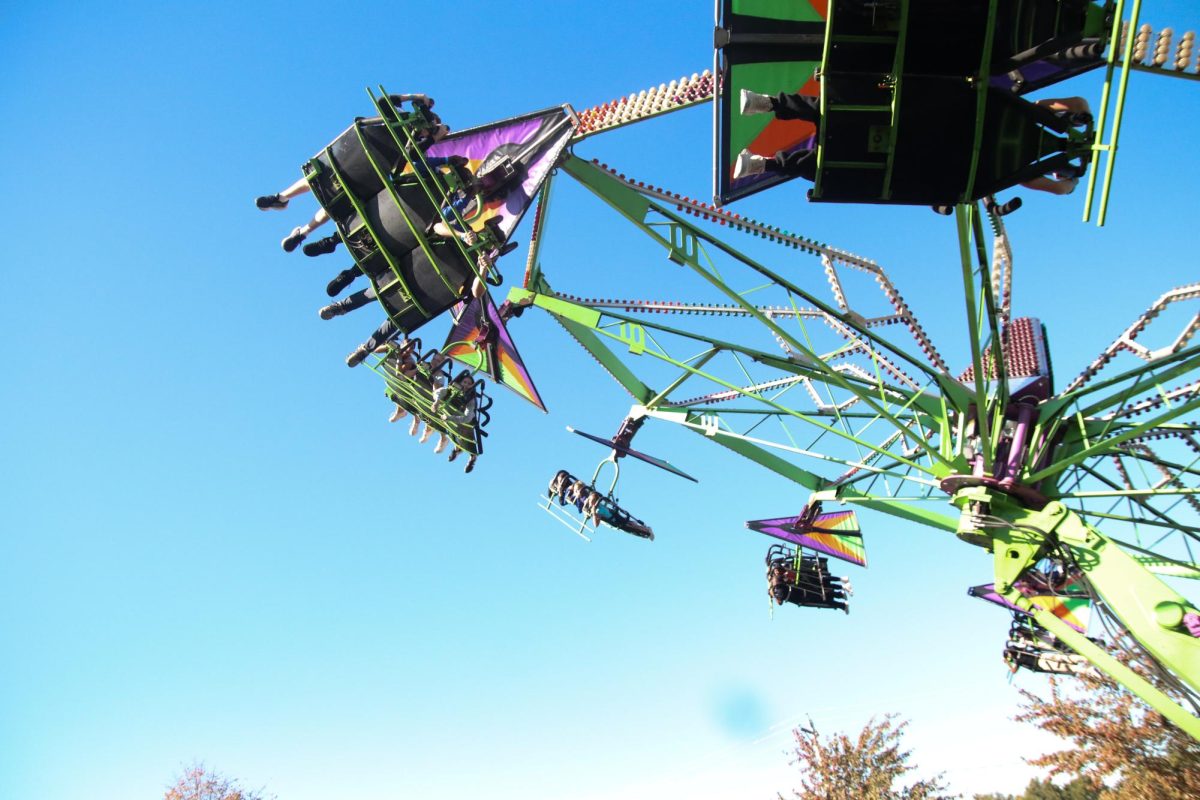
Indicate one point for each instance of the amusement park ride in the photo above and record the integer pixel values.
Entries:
(1084, 494)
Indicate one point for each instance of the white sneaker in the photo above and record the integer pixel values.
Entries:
(755, 103)
(748, 164)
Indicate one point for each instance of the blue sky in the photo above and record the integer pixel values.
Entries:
(215, 548)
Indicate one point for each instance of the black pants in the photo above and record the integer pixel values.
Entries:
(797, 162)
(382, 335)
(797, 106)
(356, 300)
(803, 107)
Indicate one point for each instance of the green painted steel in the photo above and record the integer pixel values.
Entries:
(437, 189)
(897, 90)
(906, 446)
(1150, 610)
(634, 207)
(1118, 113)
(819, 178)
(981, 85)
(1113, 61)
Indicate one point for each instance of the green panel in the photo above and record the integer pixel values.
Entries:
(766, 78)
(787, 10)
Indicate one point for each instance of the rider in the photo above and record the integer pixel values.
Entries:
(784, 106)
(431, 130)
(475, 288)
(401, 360)
(464, 385)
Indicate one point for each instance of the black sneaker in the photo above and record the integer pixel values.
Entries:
(322, 246)
(493, 224)
(945, 211)
(292, 241)
(1002, 209)
(356, 358)
(270, 202)
(506, 249)
(340, 282)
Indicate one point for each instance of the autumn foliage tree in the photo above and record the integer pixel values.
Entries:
(199, 783)
(1125, 750)
(871, 766)
(1038, 789)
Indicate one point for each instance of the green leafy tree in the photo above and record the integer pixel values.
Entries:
(1122, 750)
(199, 783)
(871, 766)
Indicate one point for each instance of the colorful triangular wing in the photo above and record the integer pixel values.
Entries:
(847, 546)
(835, 522)
(780, 528)
(987, 591)
(491, 350)
(1073, 610)
(533, 141)
(464, 342)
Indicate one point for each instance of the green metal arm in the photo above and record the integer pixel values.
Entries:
(1150, 610)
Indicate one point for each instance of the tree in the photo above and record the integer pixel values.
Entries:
(866, 768)
(1122, 750)
(199, 783)
(1077, 789)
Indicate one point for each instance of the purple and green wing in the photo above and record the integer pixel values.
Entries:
(540, 136)
(497, 356)
(1075, 611)
(835, 534)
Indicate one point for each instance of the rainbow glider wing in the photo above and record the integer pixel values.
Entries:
(1071, 608)
(835, 533)
(532, 142)
(481, 341)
